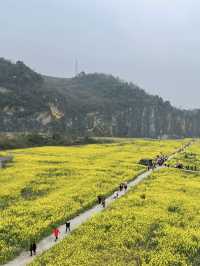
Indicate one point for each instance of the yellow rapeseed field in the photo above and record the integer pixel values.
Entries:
(156, 224)
(45, 186)
(190, 158)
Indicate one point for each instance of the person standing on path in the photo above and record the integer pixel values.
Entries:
(104, 203)
(121, 187)
(68, 226)
(56, 233)
(99, 199)
(125, 186)
(33, 248)
(116, 195)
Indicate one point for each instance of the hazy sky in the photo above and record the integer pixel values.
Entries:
(154, 43)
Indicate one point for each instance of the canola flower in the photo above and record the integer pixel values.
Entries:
(155, 224)
(189, 158)
(48, 185)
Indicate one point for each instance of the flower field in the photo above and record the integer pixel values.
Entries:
(190, 158)
(156, 224)
(45, 186)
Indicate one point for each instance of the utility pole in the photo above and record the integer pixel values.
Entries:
(76, 68)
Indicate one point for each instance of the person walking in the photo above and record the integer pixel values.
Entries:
(121, 187)
(116, 195)
(33, 248)
(99, 199)
(68, 227)
(104, 203)
(56, 233)
(125, 186)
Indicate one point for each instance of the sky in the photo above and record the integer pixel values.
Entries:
(153, 43)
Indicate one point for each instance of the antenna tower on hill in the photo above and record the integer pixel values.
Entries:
(76, 70)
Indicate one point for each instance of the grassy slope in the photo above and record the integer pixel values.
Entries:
(158, 225)
(48, 185)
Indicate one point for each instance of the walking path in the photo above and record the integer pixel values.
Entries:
(24, 258)
(185, 170)
(48, 242)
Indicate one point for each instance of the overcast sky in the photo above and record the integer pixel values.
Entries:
(154, 43)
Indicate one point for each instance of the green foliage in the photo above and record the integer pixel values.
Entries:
(89, 104)
(14, 141)
(17, 75)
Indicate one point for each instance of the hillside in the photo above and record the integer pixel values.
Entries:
(87, 105)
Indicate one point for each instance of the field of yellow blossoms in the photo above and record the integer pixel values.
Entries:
(190, 158)
(155, 224)
(46, 186)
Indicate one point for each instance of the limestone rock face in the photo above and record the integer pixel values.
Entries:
(87, 105)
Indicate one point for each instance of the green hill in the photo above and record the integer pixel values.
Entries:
(86, 105)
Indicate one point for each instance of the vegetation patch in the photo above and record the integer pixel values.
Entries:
(174, 207)
(28, 193)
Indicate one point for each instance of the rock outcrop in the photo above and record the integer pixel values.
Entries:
(87, 105)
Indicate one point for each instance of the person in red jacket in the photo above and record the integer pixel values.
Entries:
(56, 233)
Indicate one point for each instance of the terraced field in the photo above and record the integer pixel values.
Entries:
(46, 186)
(156, 224)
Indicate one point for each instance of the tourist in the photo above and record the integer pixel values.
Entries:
(104, 203)
(99, 199)
(125, 186)
(116, 195)
(56, 233)
(68, 226)
(33, 248)
(121, 187)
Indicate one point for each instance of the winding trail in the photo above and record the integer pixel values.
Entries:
(24, 258)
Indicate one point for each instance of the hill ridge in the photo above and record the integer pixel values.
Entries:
(93, 104)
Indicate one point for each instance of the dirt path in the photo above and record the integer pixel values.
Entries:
(48, 242)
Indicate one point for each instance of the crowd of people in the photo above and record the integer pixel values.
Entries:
(191, 167)
(159, 161)
(187, 167)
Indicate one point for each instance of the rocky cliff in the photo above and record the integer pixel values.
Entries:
(87, 105)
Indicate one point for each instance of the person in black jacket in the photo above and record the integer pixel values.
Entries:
(125, 186)
(68, 226)
(103, 203)
(99, 199)
(33, 248)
